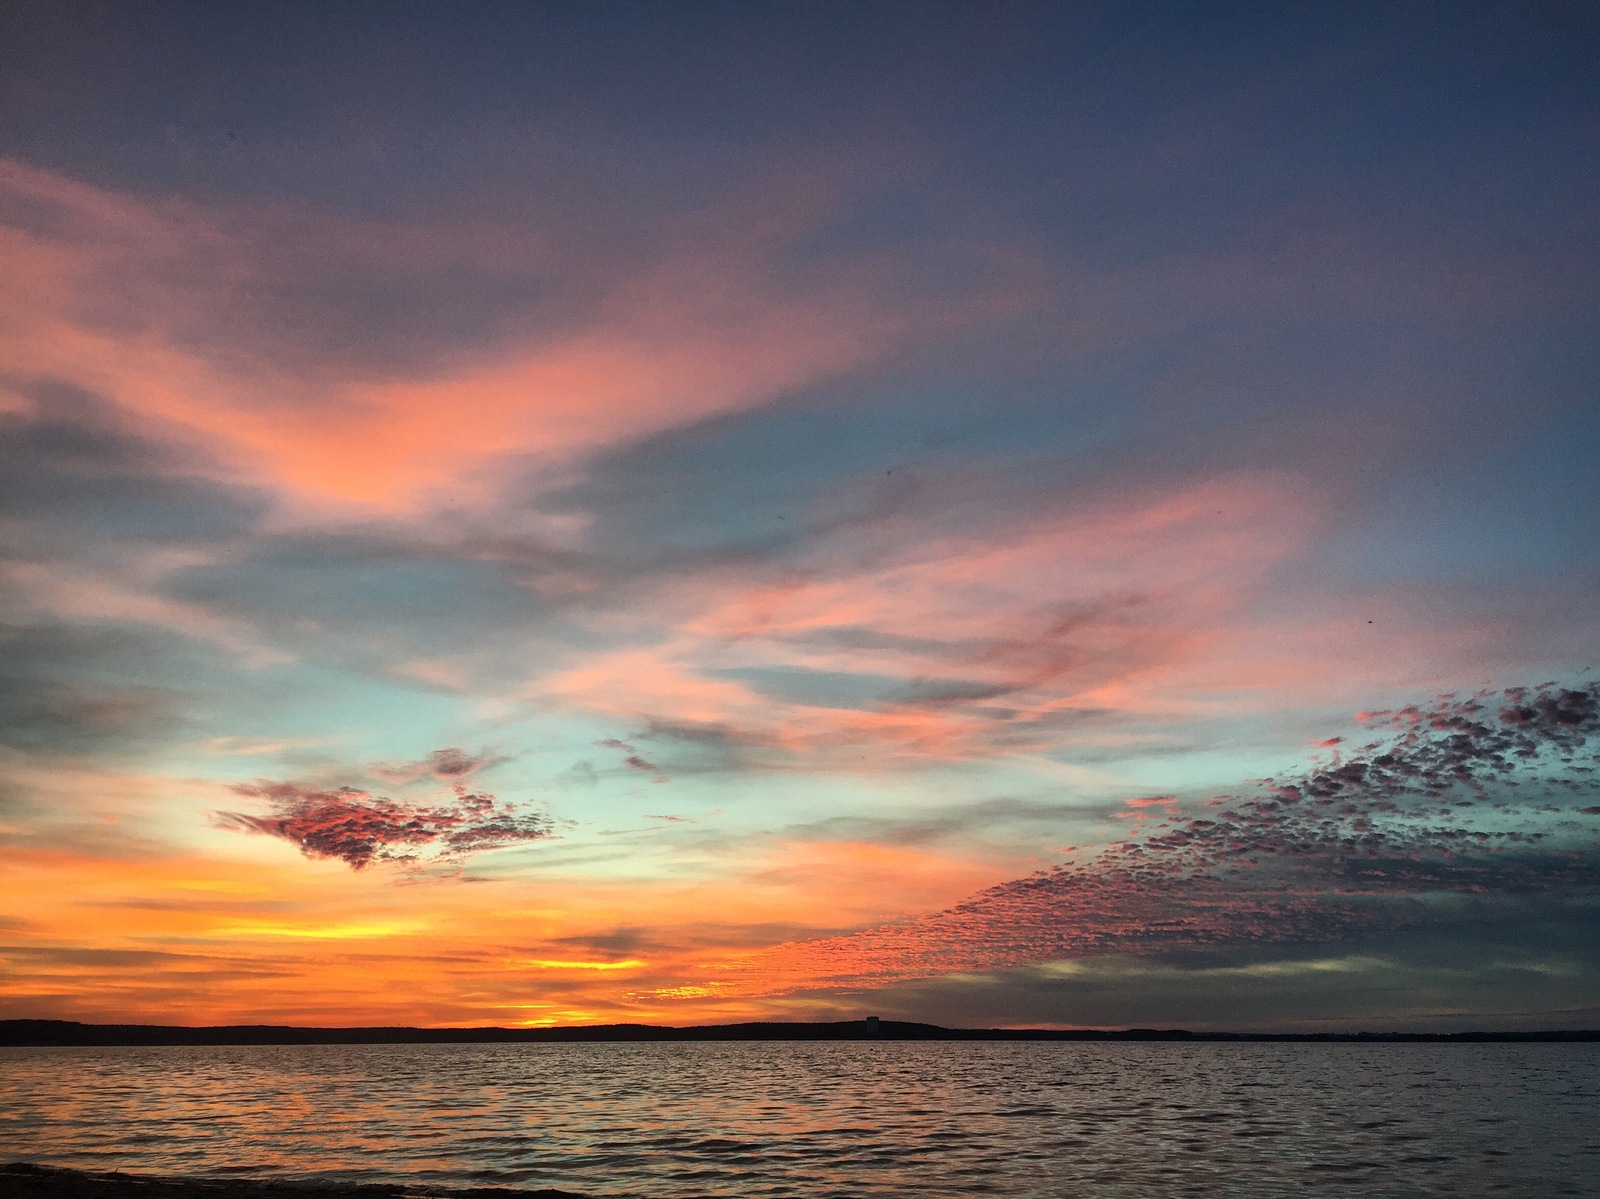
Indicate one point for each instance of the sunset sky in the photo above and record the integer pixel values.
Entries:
(997, 514)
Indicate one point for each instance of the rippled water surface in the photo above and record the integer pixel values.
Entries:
(841, 1118)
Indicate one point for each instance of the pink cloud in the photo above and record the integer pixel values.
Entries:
(210, 319)
(359, 828)
(1342, 848)
(988, 641)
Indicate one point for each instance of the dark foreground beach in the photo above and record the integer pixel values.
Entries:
(20, 1180)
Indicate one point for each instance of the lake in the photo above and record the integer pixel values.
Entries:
(831, 1118)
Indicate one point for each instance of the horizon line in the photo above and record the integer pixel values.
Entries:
(44, 1032)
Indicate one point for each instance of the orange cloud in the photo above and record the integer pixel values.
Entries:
(166, 307)
(151, 932)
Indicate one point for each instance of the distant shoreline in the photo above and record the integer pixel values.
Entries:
(70, 1032)
(24, 1180)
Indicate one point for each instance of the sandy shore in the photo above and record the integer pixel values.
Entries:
(19, 1180)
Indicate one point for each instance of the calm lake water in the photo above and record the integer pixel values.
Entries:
(845, 1119)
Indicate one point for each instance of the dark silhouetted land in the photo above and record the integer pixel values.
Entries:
(70, 1032)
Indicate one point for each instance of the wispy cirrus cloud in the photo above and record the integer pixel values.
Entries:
(451, 765)
(961, 633)
(373, 332)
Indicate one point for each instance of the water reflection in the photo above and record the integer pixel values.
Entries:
(846, 1119)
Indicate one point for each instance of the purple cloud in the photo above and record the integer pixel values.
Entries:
(359, 828)
(1459, 797)
(450, 765)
